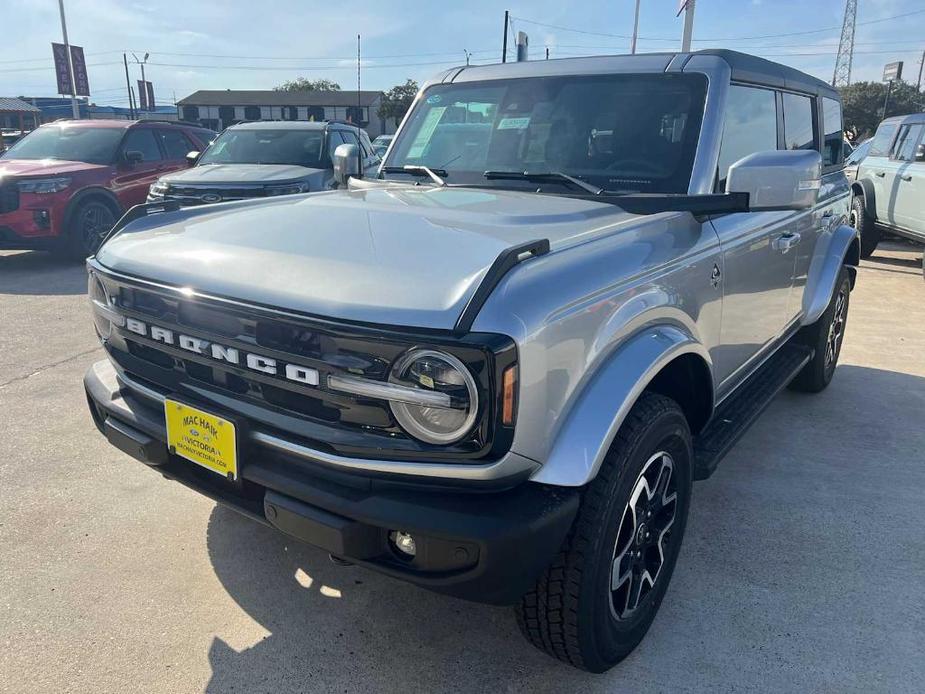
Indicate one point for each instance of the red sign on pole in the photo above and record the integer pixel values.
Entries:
(142, 96)
(150, 88)
(63, 73)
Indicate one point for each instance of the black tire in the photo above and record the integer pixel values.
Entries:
(574, 613)
(864, 223)
(825, 336)
(87, 225)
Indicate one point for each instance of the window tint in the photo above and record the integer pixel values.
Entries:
(175, 143)
(751, 126)
(833, 149)
(798, 122)
(906, 141)
(142, 140)
(299, 147)
(334, 141)
(880, 147)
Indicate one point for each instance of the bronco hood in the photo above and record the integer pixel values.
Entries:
(395, 255)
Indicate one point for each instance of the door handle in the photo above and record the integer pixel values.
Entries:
(879, 174)
(907, 177)
(785, 242)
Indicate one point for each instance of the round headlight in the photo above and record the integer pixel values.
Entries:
(99, 296)
(441, 373)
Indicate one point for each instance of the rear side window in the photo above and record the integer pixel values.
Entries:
(906, 142)
(142, 140)
(833, 150)
(880, 147)
(750, 126)
(175, 143)
(798, 122)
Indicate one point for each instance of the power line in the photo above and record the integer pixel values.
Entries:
(726, 38)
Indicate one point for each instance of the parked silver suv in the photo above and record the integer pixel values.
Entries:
(890, 187)
(495, 369)
(263, 159)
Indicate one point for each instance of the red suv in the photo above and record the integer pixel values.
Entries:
(64, 185)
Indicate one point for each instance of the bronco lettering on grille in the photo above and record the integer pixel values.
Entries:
(219, 352)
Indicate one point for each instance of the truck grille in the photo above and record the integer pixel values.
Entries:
(343, 423)
(9, 197)
(205, 194)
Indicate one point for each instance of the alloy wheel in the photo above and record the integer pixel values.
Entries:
(644, 535)
(836, 328)
(95, 221)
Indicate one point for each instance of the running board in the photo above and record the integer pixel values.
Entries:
(739, 411)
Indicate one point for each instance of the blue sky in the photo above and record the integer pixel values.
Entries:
(242, 44)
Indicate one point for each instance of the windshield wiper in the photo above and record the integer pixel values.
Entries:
(435, 174)
(540, 176)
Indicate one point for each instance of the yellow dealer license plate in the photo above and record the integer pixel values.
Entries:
(203, 438)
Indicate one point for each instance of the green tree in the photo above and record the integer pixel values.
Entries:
(863, 104)
(303, 84)
(397, 101)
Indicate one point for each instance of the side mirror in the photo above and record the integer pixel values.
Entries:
(777, 180)
(192, 158)
(346, 163)
(132, 157)
(920, 152)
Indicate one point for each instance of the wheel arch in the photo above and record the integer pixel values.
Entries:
(664, 359)
(844, 248)
(90, 193)
(864, 189)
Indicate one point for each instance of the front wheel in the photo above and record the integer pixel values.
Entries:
(825, 336)
(596, 601)
(88, 226)
(867, 228)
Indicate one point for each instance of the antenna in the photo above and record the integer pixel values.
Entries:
(842, 76)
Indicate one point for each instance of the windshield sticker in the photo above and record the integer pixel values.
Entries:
(514, 123)
(416, 151)
(434, 99)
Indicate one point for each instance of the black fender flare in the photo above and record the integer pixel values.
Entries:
(865, 189)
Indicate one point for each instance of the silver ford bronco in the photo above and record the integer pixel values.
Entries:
(494, 369)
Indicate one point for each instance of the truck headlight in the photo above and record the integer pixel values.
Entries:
(288, 189)
(436, 372)
(104, 313)
(158, 189)
(44, 185)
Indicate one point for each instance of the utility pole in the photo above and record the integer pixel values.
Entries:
(886, 100)
(547, 52)
(507, 19)
(842, 75)
(70, 63)
(688, 26)
(635, 28)
(128, 87)
(918, 85)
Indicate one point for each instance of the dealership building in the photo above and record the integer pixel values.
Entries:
(217, 109)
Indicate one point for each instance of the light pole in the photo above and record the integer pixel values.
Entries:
(688, 26)
(144, 84)
(635, 29)
(70, 63)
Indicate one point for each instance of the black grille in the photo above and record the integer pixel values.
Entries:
(9, 197)
(337, 421)
(196, 193)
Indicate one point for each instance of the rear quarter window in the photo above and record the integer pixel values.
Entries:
(833, 150)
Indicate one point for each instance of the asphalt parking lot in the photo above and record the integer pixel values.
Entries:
(803, 568)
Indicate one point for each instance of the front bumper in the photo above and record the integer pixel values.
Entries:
(488, 547)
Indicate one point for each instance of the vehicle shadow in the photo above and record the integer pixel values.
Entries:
(40, 273)
(338, 628)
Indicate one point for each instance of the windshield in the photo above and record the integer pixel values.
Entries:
(296, 147)
(91, 145)
(859, 153)
(619, 132)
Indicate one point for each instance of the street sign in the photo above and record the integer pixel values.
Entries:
(893, 71)
(63, 73)
(150, 96)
